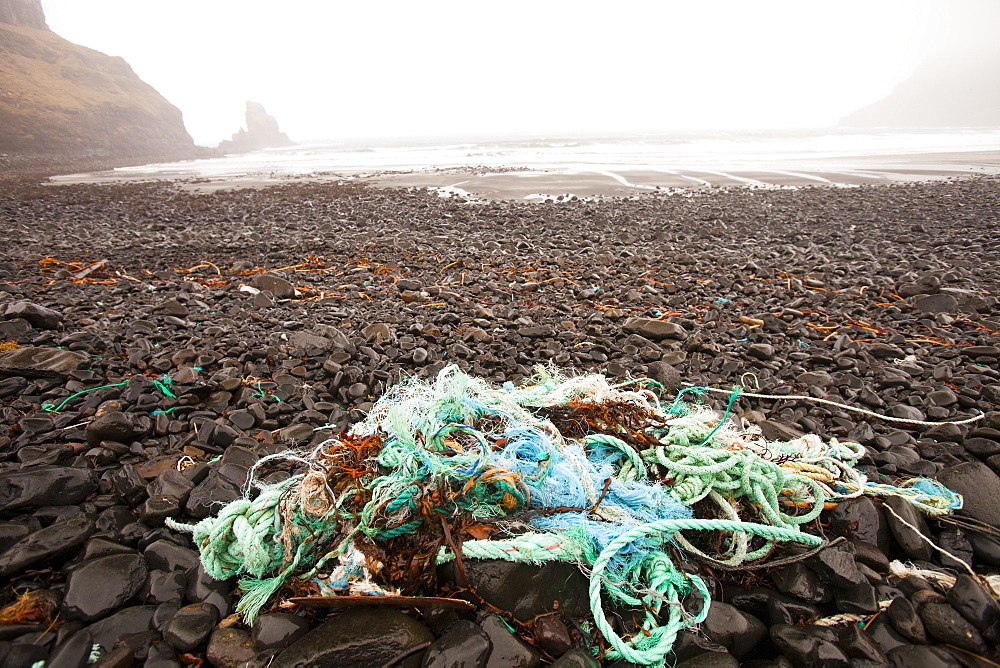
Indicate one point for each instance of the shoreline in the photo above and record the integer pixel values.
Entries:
(586, 181)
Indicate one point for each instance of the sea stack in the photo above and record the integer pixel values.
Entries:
(261, 132)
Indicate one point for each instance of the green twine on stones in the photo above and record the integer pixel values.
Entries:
(55, 409)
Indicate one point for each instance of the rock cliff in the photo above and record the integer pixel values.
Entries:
(261, 132)
(61, 99)
(27, 13)
(956, 85)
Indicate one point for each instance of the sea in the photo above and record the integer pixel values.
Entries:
(603, 163)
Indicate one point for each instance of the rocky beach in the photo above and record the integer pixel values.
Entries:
(155, 343)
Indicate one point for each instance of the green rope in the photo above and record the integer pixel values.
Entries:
(55, 409)
(666, 582)
(163, 385)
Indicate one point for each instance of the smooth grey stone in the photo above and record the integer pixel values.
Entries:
(464, 644)
(737, 631)
(507, 649)
(45, 486)
(190, 626)
(358, 636)
(45, 544)
(229, 647)
(946, 625)
(130, 620)
(37, 316)
(278, 630)
(654, 329)
(980, 490)
(35, 361)
(98, 586)
(803, 648)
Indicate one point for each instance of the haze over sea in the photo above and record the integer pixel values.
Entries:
(601, 164)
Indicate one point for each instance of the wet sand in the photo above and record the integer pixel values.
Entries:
(604, 180)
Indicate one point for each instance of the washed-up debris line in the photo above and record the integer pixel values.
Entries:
(562, 468)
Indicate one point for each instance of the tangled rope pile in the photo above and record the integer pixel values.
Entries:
(561, 469)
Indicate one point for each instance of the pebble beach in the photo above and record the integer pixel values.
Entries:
(156, 342)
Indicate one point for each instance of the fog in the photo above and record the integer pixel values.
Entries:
(337, 69)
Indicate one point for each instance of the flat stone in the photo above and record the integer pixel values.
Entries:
(278, 630)
(130, 620)
(654, 329)
(803, 648)
(229, 647)
(737, 631)
(165, 555)
(358, 636)
(190, 626)
(464, 644)
(922, 656)
(526, 590)
(38, 316)
(910, 540)
(45, 486)
(40, 362)
(276, 285)
(946, 625)
(97, 586)
(44, 544)
(940, 303)
(980, 490)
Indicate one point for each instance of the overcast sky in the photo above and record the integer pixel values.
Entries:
(332, 69)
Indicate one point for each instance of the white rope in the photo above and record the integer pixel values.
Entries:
(849, 617)
(800, 397)
(930, 542)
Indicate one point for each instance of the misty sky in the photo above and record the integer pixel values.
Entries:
(332, 69)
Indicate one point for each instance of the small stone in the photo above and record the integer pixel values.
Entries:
(773, 430)
(44, 544)
(575, 658)
(130, 620)
(39, 317)
(654, 329)
(464, 644)
(98, 586)
(358, 636)
(552, 635)
(229, 648)
(190, 626)
(803, 648)
(940, 303)
(74, 652)
(168, 556)
(980, 490)
(40, 362)
(912, 541)
(761, 351)
(276, 285)
(737, 631)
(278, 630)
(944, 624)
(666, 375)
(113, 426)
(45, 486)
(507, 649)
